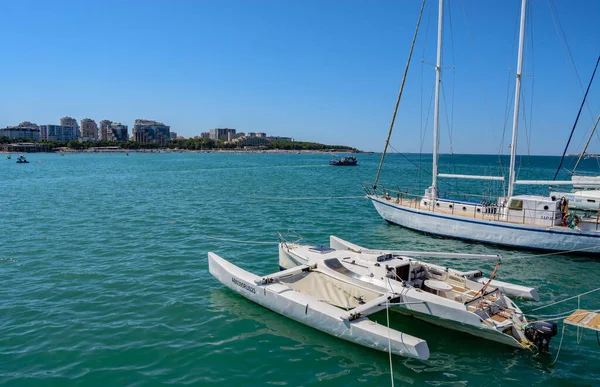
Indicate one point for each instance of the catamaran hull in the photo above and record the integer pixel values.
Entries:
(319, 315)
(489, 334)
(511, 290)
(421, 305)
(487, 231)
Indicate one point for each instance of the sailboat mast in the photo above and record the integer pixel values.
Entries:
(436, 111)
(513, 144)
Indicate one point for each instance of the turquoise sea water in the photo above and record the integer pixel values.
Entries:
(105, 282)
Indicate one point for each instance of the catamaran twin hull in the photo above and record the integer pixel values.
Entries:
(487, 230)
(462, 307)
(281, 297)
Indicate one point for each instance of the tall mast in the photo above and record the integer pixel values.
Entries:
(436, 111)
(513, 144)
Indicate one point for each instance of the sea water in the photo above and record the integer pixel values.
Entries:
(104, 275)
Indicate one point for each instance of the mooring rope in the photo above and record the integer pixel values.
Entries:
(560, 344)
(240, 241)
(568, 315)
(387, 311)
(306, 198)
(566, 299)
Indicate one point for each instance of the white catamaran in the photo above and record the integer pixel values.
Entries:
(463, 301)
(526, 221)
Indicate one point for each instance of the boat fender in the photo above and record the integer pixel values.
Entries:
(570, 220)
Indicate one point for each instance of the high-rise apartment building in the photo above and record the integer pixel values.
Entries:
(70, 122)
(222, 134)
(104, 124)
(117, 132)
(59, 133)
(151, 131)
(89, 130)
(25, 130)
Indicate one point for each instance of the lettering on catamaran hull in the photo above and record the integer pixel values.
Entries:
(243, 285)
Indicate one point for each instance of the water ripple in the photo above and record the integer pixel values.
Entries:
(105, 277)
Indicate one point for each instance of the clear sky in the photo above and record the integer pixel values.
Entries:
(316, 70)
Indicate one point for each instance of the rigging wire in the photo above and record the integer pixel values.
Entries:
(509, 102)
(586, 145)
(531, 41)
(477, 68)
(424, 131)
(424, 127)
(409, 160)
(577, 118)
(449, 121)
(509, 94)
(567, 51)
(528, 127)
(400, 94)
(452, 164)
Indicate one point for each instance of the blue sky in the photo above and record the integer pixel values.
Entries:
(325, 71)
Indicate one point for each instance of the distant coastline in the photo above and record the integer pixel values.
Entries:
(167, 150)
(184, 145)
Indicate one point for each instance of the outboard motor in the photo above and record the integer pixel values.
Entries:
(540, 334)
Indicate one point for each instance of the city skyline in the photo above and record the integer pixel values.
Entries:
(315, 71)
(143, 131)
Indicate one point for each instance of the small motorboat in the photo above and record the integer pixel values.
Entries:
(343, 160)
(22, 160)
(309, 296)
(441, 296)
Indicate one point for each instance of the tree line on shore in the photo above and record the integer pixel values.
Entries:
(184, 144)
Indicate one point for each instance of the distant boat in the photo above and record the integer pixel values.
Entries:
(343, 160)
(22, 160)
(8, 157)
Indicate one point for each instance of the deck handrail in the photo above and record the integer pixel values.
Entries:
(486, 209)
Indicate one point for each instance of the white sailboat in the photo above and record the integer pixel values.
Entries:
(525, 221)
(434, 294)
